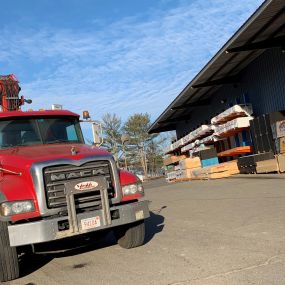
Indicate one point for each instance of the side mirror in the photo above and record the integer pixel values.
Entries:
(97, 133)
(96, 128)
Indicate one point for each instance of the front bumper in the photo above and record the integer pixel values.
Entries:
(47, 230)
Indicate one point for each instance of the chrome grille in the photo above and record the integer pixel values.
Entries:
(55, 188)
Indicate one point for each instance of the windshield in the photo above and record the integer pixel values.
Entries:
(39, 130)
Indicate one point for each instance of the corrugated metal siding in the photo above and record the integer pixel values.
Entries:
(263, 82)
(203, 115)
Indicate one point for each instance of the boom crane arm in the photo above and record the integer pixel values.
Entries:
(9, 93)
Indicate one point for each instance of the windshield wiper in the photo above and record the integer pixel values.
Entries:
(61, 141)
(58, 141)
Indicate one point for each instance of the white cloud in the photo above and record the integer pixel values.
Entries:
(128, 66)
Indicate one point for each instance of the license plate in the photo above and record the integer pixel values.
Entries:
(90, 223)
(139, 215)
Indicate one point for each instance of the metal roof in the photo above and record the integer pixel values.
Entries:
(264, 29)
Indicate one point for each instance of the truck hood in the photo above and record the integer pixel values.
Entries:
(37, 153)
(20, 159)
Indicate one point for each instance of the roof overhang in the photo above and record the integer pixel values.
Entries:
(264, 29)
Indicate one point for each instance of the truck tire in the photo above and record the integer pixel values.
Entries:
(9, 264)
(130, 235)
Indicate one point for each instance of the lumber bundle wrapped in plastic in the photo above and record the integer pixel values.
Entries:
(171, 175)
(177, 144)
(232, 113)
(188, 147)
(209, 139)
(233, 126)
(202, 131)
(173, 159)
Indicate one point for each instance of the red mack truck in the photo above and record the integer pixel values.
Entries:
(54, 186)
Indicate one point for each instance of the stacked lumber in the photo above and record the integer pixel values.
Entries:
(232, 113)
(189, 163)
(173, 159)
(281, 162)
(210, 172)
(232, 167)
(232, 127)
(236, 151)
(196, 172)
(187, 173)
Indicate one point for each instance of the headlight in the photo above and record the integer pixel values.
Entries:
(132, 189)
(17, 207)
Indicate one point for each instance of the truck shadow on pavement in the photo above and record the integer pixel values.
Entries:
(45, 253)
(154, 225)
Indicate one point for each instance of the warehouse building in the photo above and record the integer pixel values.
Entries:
(249, 70)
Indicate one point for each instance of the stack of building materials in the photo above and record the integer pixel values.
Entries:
(173, 159)
(209, 139)
(267, 166)
(248, 164)
(234, 112)
(191, 140)
(281, 162)
(279, 134)
(236, 151)
(188, 147)
(232, 167)
(208, 157)
(231, 127)
(187, 165)
(262, 135)
(268, 139)
(278, 130)
(191, 169)
(171, 176)
(211, 172)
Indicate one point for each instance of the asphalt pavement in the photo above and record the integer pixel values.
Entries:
(229, 231)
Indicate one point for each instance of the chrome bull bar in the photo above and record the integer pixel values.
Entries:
(71, 191)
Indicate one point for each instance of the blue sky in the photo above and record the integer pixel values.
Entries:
(113, 56)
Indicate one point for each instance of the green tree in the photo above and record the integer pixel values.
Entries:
(112, 129)
(136, 127)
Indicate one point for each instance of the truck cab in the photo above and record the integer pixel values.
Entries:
(54, 186)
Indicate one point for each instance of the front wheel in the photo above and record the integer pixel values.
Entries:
(9, 264)
(130, 235)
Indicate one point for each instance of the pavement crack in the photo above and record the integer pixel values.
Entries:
(272, 260)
